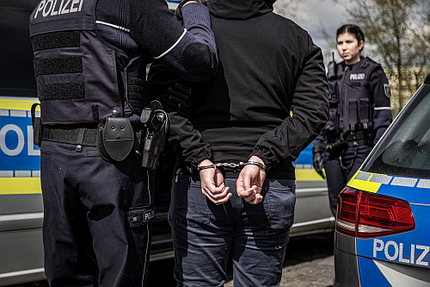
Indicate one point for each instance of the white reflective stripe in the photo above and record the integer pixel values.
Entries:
(113, 26)
(22, 216)
(173, 46)
(24, 272)
(381, 108)
(313, 222)
(396, 278)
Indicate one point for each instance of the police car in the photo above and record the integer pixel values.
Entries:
(382, 226)
(21, 206)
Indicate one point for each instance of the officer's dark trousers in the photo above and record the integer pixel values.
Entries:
(96, 228)
(337, 177)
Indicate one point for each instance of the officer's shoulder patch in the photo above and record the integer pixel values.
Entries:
(387, 90)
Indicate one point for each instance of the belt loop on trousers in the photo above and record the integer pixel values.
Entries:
(80, 139)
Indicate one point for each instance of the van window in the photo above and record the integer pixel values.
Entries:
(16, 58)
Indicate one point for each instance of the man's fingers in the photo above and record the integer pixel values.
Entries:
(218, 197)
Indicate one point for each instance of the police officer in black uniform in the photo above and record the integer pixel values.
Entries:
(358, 116)
(90, 60)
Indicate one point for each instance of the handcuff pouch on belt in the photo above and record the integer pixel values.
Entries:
(115, 138)
(37, 125)
(157, 126)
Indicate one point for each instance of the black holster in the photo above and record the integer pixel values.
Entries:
(157, 123)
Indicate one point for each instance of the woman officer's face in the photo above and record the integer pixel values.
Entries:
(349, 48)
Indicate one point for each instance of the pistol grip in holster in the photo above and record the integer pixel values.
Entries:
(37, 125)
(157, 124)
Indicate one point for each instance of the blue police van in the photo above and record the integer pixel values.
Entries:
(21, 205)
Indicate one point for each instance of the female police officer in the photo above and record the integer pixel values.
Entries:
(358, 116)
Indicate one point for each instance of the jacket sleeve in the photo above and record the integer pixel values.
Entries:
(187, 142)
(190, 51)
(309, 113)
(319, 140)
(381, 93)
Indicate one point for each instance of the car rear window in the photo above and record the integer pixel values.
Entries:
(405, 149)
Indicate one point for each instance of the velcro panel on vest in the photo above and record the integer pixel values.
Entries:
(56, 40)
(65, 91)
(353, 112)
(57, 66)
(364, 111)
(137, 92)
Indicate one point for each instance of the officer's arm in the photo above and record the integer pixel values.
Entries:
(309, 109)
(381, 93)
(190, 51)
(187, 141)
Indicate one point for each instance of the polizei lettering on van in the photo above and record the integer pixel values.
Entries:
(409, 254)
(58, 7)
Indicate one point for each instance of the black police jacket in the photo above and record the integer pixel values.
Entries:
(88, 69)
(359, 100)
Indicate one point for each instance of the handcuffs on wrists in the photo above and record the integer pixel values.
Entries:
(262, 166)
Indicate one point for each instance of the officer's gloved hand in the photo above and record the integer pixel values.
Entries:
(317, 153)
(178, 98)
(178, 11)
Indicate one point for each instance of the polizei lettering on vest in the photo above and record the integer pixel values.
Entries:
(359, 76)
(58, 7)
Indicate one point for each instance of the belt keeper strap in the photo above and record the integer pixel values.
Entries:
(80, 138)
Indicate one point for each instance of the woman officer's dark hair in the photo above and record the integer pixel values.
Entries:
(351, 29)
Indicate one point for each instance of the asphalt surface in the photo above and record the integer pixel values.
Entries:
(308, 263)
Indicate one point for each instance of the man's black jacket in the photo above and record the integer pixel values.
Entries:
(268, 99)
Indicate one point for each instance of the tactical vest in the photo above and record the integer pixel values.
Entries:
(80, 77)
(351, 104)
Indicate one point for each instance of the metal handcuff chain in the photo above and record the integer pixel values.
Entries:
(355, 146)
(232, 165)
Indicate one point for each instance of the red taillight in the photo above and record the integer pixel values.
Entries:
(363, 214)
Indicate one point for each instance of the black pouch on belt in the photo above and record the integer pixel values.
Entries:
(37, 125)
(115, 139)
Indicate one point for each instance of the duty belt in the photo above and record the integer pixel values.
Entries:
(76, 136)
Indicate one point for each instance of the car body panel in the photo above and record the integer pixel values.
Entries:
(402, 247)
(346, 259)
(370, 275)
